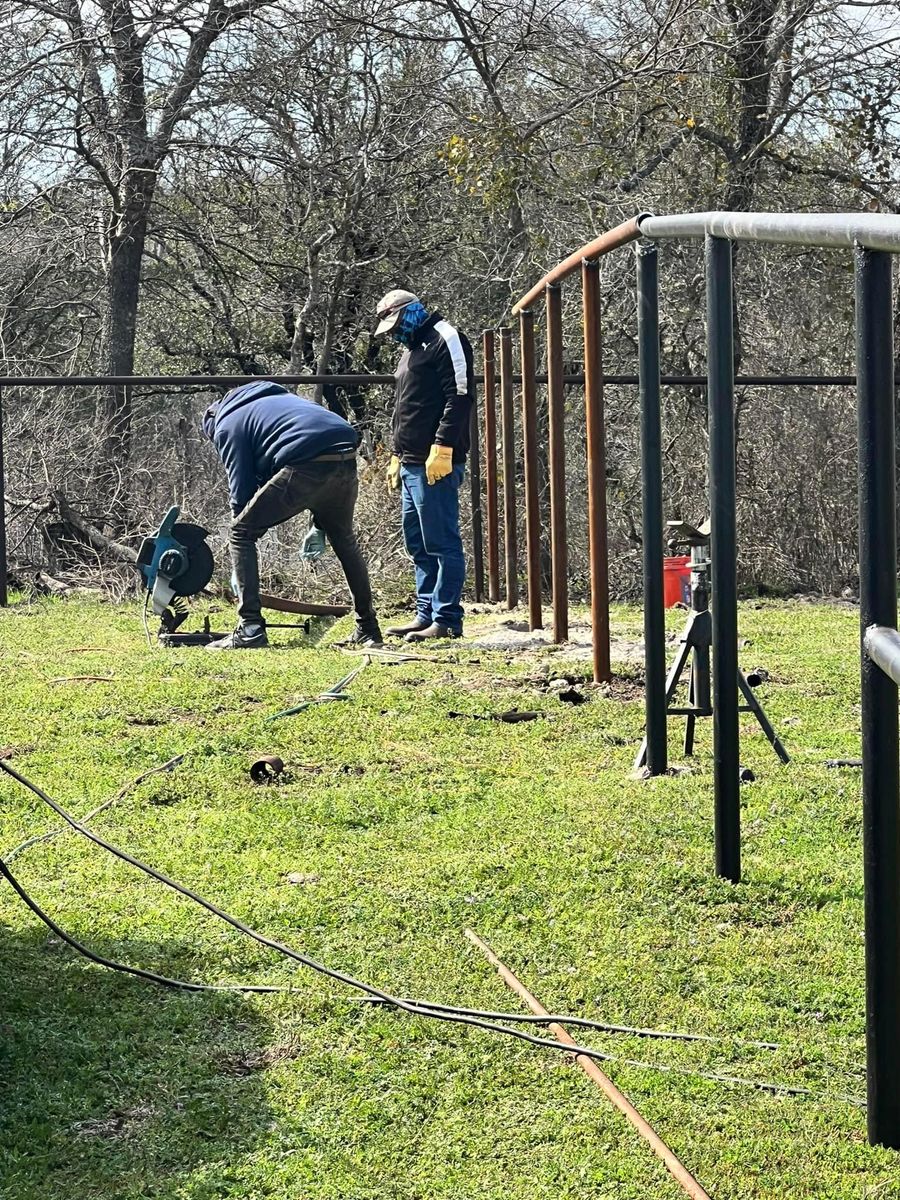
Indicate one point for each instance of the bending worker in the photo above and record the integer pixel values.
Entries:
(435, 391)
(285, 454)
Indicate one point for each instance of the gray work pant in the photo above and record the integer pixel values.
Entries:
(328, 490)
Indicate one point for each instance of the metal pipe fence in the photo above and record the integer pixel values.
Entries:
(873, 239)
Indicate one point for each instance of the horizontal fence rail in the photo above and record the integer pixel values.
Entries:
(883, 647)
(826, 230)
(575, 379)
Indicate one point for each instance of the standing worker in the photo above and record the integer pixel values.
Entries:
(285, 454)
(435, 391)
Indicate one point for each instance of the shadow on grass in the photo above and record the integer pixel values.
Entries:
(118, 1088)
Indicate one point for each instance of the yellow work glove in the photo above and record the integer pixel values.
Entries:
(439, 463)
(393, 472)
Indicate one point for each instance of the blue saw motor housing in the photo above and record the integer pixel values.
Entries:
(175, 561)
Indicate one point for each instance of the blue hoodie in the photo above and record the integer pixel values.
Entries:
(260, 427)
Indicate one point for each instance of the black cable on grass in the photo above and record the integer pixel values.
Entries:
(191, 986)
(38, 838)
(111, 963)
(516, 1018)
(414, 1008)
(587, 1023)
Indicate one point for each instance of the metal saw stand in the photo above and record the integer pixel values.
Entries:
(696, 642)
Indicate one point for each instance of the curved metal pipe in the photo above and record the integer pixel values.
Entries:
(621, 235)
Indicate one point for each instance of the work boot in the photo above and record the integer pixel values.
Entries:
(245, 637)
(415, 626)
(432, 631)
(366, 633)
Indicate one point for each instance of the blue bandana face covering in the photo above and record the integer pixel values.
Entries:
(411, 318)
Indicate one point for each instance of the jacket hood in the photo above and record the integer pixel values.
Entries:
(237, 398)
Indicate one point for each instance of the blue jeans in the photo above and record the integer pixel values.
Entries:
(431, 534)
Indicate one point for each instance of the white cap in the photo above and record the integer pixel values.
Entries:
(390, 307)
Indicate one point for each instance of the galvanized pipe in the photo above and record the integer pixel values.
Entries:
(876, 231)
(882, 644)
(490, 466)
(532, 483)
(726, 732)
(508, 438)
(880, 734)
(595, 437)
(4, 568)
(559, 551)
(652, 509)
(475, 484)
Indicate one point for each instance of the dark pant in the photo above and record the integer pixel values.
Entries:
(328, 490)
(432, 537)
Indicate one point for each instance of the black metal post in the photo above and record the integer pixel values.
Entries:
(556, 406)
(475, 480)
(652, 510)
(4, 577)
(880, 736)
(726, 732)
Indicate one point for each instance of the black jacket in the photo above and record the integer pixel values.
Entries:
(435, 392)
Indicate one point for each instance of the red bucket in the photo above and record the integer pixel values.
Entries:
(677, 580)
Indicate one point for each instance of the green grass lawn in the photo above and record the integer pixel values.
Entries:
(408, 827)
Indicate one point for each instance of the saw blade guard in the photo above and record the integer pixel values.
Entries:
(175, 561)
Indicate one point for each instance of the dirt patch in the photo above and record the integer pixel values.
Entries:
(248, 1062)
(8, 752)
(621, 688)
(121, 1123)
(509, 633)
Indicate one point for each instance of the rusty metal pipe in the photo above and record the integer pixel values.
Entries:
(556, 402)
(266, 768)
(475, 480)
(508, 437)
(532, 479)
(303, 607)
(490, 466)
(595, 432)
(621, 235)
(4, 576)
(674, 1165)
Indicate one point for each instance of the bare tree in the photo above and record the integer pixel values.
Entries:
(125, 77)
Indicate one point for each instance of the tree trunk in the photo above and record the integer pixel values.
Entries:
(125, 257)
(752, 24)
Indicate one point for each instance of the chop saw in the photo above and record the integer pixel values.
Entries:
(174, 563)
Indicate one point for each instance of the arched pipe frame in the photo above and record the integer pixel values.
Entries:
(872, 239)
